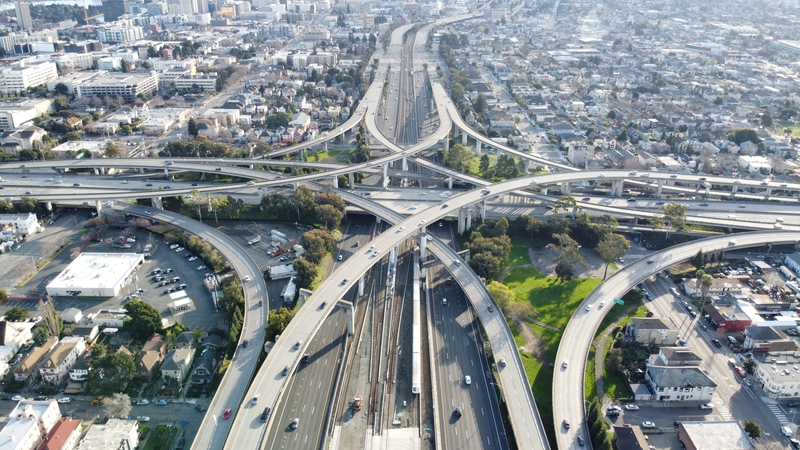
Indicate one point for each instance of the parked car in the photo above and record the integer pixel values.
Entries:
(143, 401)
(632, 407)
(64, 400)
(201, 408)
(143, 418)
(706, 406)
(648, 424)
(161, 402)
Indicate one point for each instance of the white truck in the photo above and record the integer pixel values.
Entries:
(255, 240)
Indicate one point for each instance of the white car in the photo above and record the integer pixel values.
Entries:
(421, 222)
(143, 401)
(16, 398)
(64, 400)
(401, 229)
(467, 380)
(589, 307)
(632, 407)
(601, 304)
(143, 418)
(706, 406)
(412, 207)
(648, 424)
(247, 278)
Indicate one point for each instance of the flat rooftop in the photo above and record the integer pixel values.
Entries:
(96, 271)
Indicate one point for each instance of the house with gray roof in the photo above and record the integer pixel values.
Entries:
(679, 384)
(177, 363)
(651, 330)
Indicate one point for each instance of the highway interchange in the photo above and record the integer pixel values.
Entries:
(567, 385)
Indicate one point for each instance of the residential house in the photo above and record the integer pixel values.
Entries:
(28, 423)
(767, 340)
(114, 434)
(204, 367)
(212, 341)
(720, 286)
(676, 356)
(151, 355)
(79, 371)
(779, 374)
(651, 330)
(27, 137)
(27, 369)
(64, 436)
(686, 384)
(629, 438)
(61, 358)
(177, 363)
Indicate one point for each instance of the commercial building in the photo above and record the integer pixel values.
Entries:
(119, 33)
(114, 434)
(23, 75)
(779, 375)
(23, 224)
(64, 436)
(28, 424)
(95, 275)
(728, 435)
(125, 85)
(73, 80)
(15, 115)
(720, 286)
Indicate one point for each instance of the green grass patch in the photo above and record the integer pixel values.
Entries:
(541, 377)
(555, 301)
(616, 312)
(161, 438)
(330, 154)
(519, 251)
(322, 271)
(614, 384)
(589, 379)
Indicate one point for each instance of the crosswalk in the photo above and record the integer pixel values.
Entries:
(724, 412)
(778, 414)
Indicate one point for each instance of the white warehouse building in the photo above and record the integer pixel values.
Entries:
(95, 275)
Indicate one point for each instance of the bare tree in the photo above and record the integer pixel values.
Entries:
(50, 318)
(118, 405)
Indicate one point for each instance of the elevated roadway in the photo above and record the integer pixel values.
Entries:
(568, 383)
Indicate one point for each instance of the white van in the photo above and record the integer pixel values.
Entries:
(787, 431)
(444, 301)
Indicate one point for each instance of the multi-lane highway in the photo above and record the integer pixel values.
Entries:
(568, 381)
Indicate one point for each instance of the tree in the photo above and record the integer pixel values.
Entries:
(567, 255)
(483, 166)
(481, 105)
(766, 118)
(502, 294)
(111, 150)
(302, 201)
(3, 295)
(17, 314)
(519, 312)
(277, 322)
(749, 366)
(611, 248)
(623, 135)
(457, 93)
(699, 260)
(40, 335)
(564, 271)
(752, 428)
(113, 372)
(330, 198)
(306, 273)
(673, 217)
(705, 281)
(143, 320)
(614, 360)
(118, 405)
(317, 243)
(329, 215)
(565, 203)
(261, 149)
(457, 157)
(27, 204)
(193, 128)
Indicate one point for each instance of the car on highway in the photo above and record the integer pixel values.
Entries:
(265, 414)
(161, 402)
(244, 343)
(589, 307)
(717, 343)
(650, 261)
(581, 442)
(566, 424)
(64, 400)
(143, 418)
(706, 406)
(295, 423)
(603, 303)
(227, 413)
(467, 380)
(401, 229)
(565, 364)
(254, 401)
(457, 412)
(247, 278)
(632, 407)
(648, 424)
(73, 184)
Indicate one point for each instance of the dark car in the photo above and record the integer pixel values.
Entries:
(265, 414)
(40, 398)
(457, 412)
(181, 287)
(181, 442)
(717, 343)
(149, 184)
(305, 358)
(76, 184)
(244, 343)
(195, 184)
(168, 270)
(201, 408)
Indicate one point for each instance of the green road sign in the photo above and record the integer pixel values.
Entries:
(619, 302)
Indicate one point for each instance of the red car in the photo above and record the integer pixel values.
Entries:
(227, 413)
(566, 424)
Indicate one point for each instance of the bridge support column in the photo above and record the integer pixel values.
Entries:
(478, 148)
(659, 188)
(302, 155)
(325, 146)
(140, 169)
(351, 180)
(736, 188)
(527, 167)
(708, 189)
(464, 138)
(378, 219)
(157, 204)
(483, 210)
(99, 206)
(166, 173)
(361, 285)
(446, 144)
(294, 186)
(423, 246)
(469, 219)
(566, 188)
(48, 206)
(351, 328)
(385, 175)
(405, 164)
(96, 171)
(449, 182)
(616, 188)
(498, 152)
(202, 176)
(336, 182)
(769, 192)
(544, 191)
(460, 221)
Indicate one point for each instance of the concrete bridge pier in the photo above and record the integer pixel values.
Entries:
(659, 188)
(527, 167)
(544, 191)
(405, 164)
(469, 218)
(464, 137)
(449, 182)
(351, 180)
(157, 204)
(736, 188)
(99, 206)
(616, 188)
(166, 172)
(423, 245)
(483, 210)
(378, 219)
(294, 186)
(478, 148)
(385, 175)
(349, 310)
(48, 206)
(566, 188)
(461, 221)
(361, 285)
(708, 189)
(325, 146)
(302, 155)
(498, 152)
(336, 182)
(202, 176)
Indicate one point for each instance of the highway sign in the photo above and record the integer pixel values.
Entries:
(619, 302)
